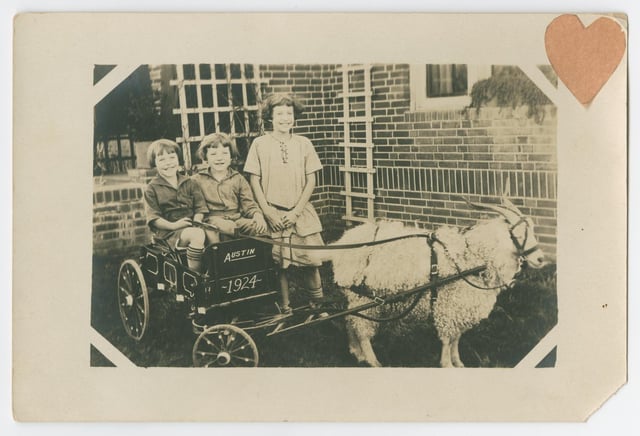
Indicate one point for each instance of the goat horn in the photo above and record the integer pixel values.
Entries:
(510, 206)
(487, 207)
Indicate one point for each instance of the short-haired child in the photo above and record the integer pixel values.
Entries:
(173, 201)
(227, 193)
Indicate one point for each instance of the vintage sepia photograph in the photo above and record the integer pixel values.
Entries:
(324, 215)
(277, 218)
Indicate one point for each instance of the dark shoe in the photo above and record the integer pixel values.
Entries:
(317, 306)
(284, 310)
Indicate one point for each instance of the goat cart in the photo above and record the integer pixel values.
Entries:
(234, 298)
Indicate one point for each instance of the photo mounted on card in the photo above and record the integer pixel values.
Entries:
(410, 222)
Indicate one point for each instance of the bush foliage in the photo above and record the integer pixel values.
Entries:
(510, 87)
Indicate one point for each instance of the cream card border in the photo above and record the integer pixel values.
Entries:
(53, 100)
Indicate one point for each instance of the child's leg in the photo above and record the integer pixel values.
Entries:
(285, 304)
(225, 226)
(314, 283)
(213, 236)
(193, 238)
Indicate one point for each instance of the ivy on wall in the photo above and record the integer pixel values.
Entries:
(508, 86)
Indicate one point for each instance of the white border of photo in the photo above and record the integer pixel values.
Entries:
(576, 148)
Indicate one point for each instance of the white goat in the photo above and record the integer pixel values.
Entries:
(501, 244)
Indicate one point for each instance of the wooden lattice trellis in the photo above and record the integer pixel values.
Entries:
(358, 134)
(217, 98)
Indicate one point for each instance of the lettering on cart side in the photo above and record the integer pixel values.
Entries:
(247, 253)
(239, 284)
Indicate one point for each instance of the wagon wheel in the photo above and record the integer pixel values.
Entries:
(133, 299)
(225, 345)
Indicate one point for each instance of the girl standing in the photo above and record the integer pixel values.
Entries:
(282, 168)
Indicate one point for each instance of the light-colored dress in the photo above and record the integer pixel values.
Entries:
(283, 170)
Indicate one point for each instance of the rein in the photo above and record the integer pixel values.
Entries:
(520, 250)
(338, 246)
(459, 271)
(431, 239)
(397, 316)
(323, 247)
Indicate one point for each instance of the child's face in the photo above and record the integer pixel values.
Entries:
(282, 119)
(167, 163)
(219, 158)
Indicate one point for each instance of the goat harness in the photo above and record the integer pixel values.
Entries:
(520, 246)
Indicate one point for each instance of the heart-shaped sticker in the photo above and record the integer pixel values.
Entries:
(584, 58)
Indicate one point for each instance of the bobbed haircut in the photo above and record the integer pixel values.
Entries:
(216, 140)
(162, 146)
(274, 100)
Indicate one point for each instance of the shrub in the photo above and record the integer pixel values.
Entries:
(510, 87)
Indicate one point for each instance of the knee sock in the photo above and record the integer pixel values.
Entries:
(284, 289)
(314, 283)
(194, 258)
(316, 294)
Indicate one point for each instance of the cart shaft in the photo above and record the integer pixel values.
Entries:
(382, 301)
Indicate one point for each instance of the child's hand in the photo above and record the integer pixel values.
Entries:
(245, 225)
(181, 223)
(259, 223)
(289, 219)
(274, 219)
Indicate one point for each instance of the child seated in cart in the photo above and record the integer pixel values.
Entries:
(228, 196)
(173, 202)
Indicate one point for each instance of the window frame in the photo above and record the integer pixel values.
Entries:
(418, 85)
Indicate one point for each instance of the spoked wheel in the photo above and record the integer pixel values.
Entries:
(225, 345)
(133, 299)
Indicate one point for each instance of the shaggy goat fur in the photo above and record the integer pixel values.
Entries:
(391, 267)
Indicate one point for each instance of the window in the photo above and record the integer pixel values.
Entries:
(446, 80)
(444, 86)
(113, 155)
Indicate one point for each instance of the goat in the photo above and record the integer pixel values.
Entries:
(503, 244)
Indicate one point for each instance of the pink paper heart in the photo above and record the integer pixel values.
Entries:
(584, 58)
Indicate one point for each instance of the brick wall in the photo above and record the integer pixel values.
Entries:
(425, 159)
(119, 221)
(475, 154)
